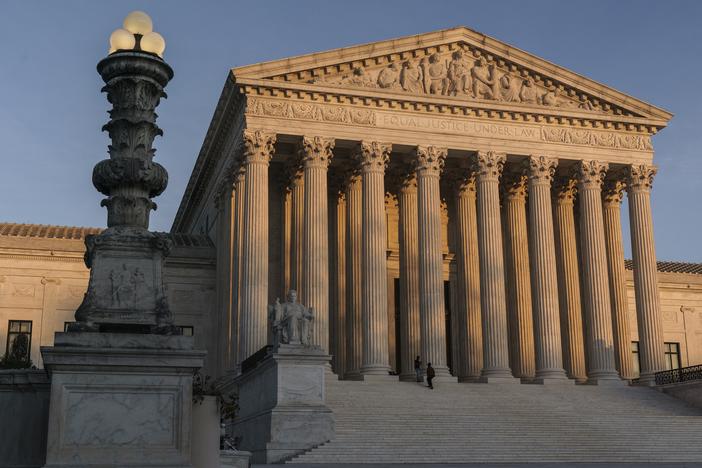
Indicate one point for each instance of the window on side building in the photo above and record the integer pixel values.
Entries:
(672, 356)
(19, 340)
(635, 357)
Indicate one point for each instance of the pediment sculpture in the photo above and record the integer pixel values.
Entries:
(465, 73)
(291, 321)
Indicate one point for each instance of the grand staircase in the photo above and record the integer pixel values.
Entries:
(399, 422)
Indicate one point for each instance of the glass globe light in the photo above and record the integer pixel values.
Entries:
(138, 22)
(121, 40)
(153, 42)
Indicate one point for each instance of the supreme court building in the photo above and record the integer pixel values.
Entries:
(443, 195)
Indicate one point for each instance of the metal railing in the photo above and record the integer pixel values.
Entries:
(684, 374)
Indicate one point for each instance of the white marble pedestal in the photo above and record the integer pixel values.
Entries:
(281, 399)
(120, 399)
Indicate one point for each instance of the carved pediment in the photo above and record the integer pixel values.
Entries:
(457, 63)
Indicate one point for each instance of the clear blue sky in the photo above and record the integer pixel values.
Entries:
(51, 109)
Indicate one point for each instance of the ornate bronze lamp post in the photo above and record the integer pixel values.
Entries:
(125, 291)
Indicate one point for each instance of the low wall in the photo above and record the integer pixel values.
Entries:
(24, 410)
(690, 392)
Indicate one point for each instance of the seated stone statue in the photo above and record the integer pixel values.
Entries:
(291, 321)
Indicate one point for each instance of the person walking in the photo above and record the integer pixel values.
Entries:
(418, 369)
(430, 375)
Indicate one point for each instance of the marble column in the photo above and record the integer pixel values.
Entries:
(598, 311)
(489, 165)
(286, 244)
(354, 246)
(373, 157)
(432, 323)
(220, 318)
(569, 279)
(409, 276)
(612, 195)
(316, 156)
(648, 303)
(238, 216)
(338, 276)
(518, 282)
(547, 330)
(470, 334)
(258, 150)
(297, 197)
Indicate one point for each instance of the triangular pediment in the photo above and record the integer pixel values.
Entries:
(458, 64)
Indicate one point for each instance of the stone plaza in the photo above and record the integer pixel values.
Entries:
(443, 196)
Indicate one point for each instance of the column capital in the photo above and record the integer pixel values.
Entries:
(463, 182)
(565, 189)
(515, 185)
(408, 183)
(591, 173)
(542, 169)
(316, 151)
(258, 146)
(613, 192)
(640, 177)
(373, 156)
(489, 164)
(430, 160)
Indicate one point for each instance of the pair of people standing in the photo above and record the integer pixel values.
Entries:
(418, 372)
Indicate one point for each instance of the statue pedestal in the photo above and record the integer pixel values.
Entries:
(120, 399)
(282, 403)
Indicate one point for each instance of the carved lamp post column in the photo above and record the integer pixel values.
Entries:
(125, 292)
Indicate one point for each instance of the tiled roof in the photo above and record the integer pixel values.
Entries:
(45, 231)
(672, 267)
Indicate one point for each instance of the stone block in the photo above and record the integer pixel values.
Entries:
(117, 405)
(283, 411)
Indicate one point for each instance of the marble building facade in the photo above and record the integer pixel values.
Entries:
(443, 195)
(475, 185)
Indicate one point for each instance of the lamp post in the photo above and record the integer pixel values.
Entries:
(122, 397)
(125, 291)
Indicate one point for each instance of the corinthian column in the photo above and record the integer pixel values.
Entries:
(569, 280)
(258, 150)
(373, 157)
(648, 303)
(297, 199)
(547, 330)
(489, 165)
(409, 276)
(338, 275)
(598, 312)
(354, 247)
(518, 284)
(611, 207)
(432, 324)
(316, 156)
(470, 335)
